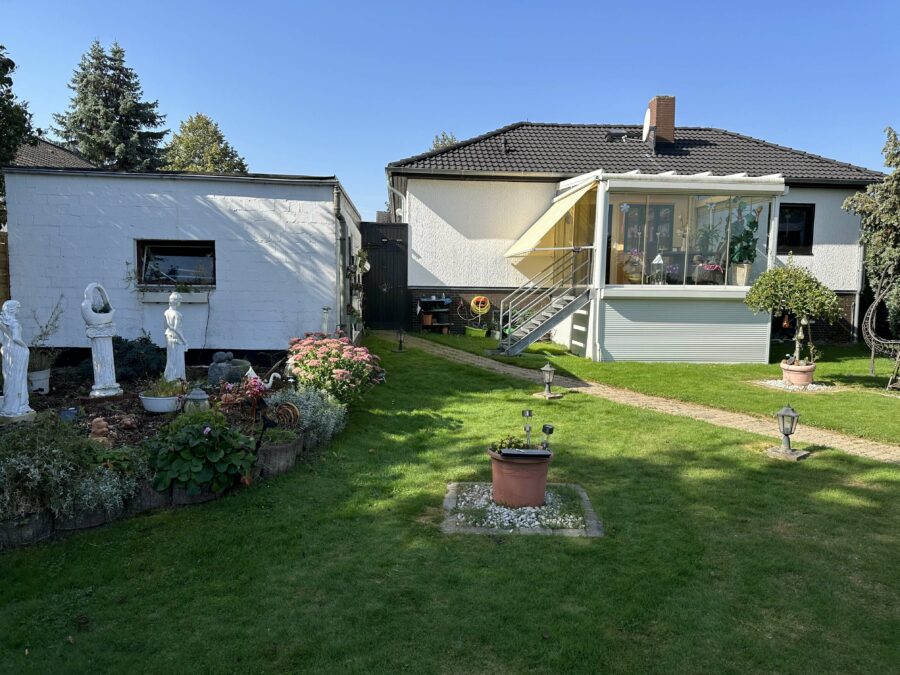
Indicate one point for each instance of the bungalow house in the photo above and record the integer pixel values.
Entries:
(626, 242)
(257, 257)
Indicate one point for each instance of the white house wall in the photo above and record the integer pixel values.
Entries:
(459, 230)
(274, 244)
(835, 258)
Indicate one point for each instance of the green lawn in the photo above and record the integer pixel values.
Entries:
(860, 406)
(716, 559)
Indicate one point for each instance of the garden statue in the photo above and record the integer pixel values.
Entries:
(226, 367)
(176, 345)
(99, 327)
(15, 366)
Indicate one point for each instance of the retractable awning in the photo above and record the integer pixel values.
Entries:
(533, 235)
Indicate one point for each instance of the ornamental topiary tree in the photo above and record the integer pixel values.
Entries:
(793, 290)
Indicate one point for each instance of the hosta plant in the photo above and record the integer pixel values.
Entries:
(333, 365)
(198, 449)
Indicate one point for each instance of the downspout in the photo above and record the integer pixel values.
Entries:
(340, 236)
(401, 197)
(860, 283)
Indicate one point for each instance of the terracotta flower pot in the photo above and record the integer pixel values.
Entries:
(518, 481)
(277, 458)
(28, 529)
(799, 376)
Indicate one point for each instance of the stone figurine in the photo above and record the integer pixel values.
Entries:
(15, 365)
(98, 320)
(176, 345)
(226, 368)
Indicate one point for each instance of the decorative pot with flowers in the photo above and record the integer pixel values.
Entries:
(163, 396)
(519, 468)
(793, 291)
(633, 266)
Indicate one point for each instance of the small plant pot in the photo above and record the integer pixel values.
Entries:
(518, 481)
(147, 499)
(25, 530)
(427, 319)
(85, 520)
(798, 376)
(277, 458)
(741, 273)
(160, 404)
(39, 382)
(476, 332)
(180, 497)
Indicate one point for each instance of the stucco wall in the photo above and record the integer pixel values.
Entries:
(275, 253)
(459, 230)
(835, 255)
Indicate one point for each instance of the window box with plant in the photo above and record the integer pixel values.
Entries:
(163, 396)
(794, 291)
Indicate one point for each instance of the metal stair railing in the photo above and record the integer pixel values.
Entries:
(566, 276)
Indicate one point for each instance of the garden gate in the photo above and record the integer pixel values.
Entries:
(386, 295)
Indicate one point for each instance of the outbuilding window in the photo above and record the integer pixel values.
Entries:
(795, 228)
(167, 262)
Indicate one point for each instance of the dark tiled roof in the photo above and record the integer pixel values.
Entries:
(573, 149)
(50, 155)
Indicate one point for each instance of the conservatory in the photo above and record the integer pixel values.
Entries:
(671, 258)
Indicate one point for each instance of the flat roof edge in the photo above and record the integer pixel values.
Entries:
(249, 177)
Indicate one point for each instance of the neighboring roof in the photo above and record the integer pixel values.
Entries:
(46, 154)
(573, 149)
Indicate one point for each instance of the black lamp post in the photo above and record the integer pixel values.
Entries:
(399, 349)
(787, 424)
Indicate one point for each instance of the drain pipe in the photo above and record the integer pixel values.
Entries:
(401, 197)
(340, 236)
(860, 284)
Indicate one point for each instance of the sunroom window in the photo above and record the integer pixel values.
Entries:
(165, 262)
(677, 239)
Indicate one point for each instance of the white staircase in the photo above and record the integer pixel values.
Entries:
(545, 301)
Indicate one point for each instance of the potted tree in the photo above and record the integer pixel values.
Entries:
(794, 291)
(42, 357)
(742, 250)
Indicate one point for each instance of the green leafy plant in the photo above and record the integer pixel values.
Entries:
(280, 435)
(743, 245)
(793, 290)
(510, 442)
(162, 388)
(334, 365)
(198, 449)
(43, 357)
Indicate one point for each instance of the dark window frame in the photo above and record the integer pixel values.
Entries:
(141, 246)
(784, 248)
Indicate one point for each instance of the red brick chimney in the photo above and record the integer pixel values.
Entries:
(662, 118)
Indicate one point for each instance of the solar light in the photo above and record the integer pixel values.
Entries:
(527, 415)
(399, 349)
(548, 431)
(787, 424)
(196, 401)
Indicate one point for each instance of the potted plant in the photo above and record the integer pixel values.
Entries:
(742, 250)
(519, 469)
(163, 396)
(794, 291)
(633, 267)
(42, 357)
(278, 451)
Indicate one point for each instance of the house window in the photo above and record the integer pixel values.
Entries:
(795, 228)
(165, 262)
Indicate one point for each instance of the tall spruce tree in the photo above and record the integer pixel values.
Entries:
(15, 120)
(199, 146)
(107, 121)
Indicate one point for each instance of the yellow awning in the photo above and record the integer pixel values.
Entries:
(560, 206)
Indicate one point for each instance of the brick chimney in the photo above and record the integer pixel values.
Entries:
(662, 118)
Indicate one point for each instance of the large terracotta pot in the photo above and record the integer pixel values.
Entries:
(799, 376)
(518, 481)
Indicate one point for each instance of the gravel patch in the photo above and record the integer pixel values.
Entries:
(781, 384)
(567, 511)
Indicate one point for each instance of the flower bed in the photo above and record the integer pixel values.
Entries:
(333, 365)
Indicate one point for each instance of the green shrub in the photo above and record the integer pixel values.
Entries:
(162, 388)
(321, 417)
(49, 465)
(198, 449)
(136, 359)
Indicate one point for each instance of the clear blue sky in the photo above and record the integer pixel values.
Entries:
(339, 87)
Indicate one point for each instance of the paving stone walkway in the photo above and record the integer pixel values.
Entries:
(757, 425)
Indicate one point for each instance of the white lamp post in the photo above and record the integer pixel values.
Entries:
(787, 424)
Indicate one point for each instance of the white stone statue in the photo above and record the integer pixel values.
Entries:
(98, 319)
(176, 345)
(14, 406)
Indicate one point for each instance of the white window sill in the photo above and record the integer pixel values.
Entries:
(700, 292)
(162, 297)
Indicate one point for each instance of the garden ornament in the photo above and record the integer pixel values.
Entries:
(14, 406)
(99, 327)
(176, 345)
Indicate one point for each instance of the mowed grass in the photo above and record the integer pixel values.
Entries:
(716, 558)
(859, 405)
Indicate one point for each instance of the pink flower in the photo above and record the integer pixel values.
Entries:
(206, 431)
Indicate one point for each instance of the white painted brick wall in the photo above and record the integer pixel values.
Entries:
(275, 253)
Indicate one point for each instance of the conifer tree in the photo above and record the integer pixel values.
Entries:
(107, 121)
(199, 146)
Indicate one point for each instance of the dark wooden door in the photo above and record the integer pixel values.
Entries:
(386, 296)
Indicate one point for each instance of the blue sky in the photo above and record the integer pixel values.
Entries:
(345, 87)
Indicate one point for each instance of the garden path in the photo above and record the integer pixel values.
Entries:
(757, 425)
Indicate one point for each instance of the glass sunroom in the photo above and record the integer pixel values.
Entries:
(672, 258)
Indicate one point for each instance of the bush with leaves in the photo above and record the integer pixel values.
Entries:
(49, 465)
(794, 290)
(333, 365)
(137, 359)
(199, 449)
(321, 417)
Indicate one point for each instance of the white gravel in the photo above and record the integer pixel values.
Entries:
(781, 384)
(475, 508)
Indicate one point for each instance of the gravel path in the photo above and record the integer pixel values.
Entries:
(757, 425)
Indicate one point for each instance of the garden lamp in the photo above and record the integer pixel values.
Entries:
(527, 415)
(547, 372)
(196, 401)
(657, 266)
(787, 425)
(399, 340)
(548, 431)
